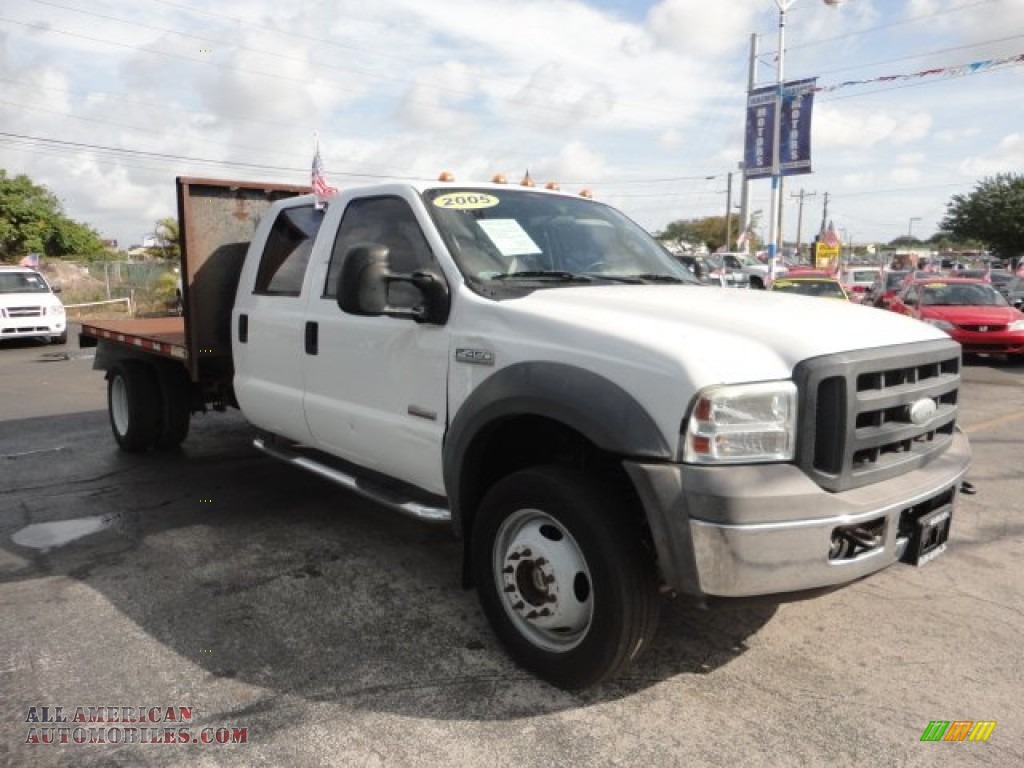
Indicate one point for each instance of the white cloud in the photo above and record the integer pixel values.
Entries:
(405, 88)
(1006, 156)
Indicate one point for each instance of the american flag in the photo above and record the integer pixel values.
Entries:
(320, 186)
(31, 261)
(829, 236)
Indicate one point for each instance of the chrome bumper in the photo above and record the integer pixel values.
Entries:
(767, 529)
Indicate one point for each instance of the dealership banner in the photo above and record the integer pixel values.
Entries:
(795, 141)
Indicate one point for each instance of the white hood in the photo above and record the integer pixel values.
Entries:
(716, 335)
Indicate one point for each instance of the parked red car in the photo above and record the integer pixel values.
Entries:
(971, 311)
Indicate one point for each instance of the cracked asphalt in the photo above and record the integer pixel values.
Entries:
(331, 632)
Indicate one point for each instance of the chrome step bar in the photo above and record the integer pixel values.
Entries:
(418, 510)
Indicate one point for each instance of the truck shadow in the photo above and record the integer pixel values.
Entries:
(253, 572)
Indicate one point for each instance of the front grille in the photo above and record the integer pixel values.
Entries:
(24, 311)
(855, 413)
(984, 328)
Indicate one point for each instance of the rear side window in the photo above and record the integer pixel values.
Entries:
(286, 255)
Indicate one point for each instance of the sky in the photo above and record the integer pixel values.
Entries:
(642, 102)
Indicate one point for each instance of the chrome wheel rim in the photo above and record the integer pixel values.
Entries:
(543, 580)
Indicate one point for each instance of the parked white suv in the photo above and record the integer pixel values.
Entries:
(28, 306)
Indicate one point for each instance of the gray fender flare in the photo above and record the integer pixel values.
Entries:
(582, 400)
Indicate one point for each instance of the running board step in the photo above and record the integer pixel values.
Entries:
(373, 491)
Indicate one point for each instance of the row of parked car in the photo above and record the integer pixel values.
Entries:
(980, 308)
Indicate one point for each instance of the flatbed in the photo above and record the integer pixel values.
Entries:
(161, 335)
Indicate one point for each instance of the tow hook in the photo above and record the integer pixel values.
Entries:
(967, 489)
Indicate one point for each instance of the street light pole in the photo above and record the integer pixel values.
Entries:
(780, 73)
(775, 209)
(910, 226)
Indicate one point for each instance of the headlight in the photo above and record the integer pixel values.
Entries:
(1017, 325)
(742, 423)
(55, 310)
(942, 325)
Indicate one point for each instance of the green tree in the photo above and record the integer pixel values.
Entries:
(166, 232)
(992, 214)
(709, 230)
(32, 220)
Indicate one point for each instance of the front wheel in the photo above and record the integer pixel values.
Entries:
(563, 575)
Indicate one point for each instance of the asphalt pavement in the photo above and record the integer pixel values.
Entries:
(228, 597)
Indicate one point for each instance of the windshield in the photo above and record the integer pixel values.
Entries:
(894, 279)
(514, 236)
(964, 295)
(22, 282)
(824, 287)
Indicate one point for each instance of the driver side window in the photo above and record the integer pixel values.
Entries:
(387, 221)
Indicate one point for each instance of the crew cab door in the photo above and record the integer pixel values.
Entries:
(376, 386)
(268, 319)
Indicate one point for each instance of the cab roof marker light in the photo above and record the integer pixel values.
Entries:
(499, 178)
(446, 176)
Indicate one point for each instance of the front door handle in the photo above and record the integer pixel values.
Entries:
(312, 337)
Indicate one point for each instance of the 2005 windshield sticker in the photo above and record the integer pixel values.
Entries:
(126, 725)
(465, 201)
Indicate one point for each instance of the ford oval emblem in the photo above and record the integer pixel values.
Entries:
(921, 411)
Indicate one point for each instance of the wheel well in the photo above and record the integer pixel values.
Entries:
(518, 442)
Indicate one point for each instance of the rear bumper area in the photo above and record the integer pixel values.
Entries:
(769, 529)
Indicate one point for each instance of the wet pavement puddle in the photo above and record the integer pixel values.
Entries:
(46, 536)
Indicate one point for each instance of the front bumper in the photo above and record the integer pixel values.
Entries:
(767, 529)
(993, 342)
(20, 327)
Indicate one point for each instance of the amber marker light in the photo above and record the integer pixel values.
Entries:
(446, 176)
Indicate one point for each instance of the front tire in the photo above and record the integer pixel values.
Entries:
(134, 405)
(563, 575)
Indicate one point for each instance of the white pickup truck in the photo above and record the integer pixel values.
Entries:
(533, 369)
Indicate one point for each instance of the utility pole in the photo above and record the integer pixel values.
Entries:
(728, 213)
(745, 187)
(800, 215)
(824, 214)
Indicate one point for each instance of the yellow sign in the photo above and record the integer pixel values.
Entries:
(825, 255)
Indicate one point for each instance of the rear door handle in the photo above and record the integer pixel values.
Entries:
(312, 337)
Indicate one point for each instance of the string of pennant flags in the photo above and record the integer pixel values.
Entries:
(954, 71)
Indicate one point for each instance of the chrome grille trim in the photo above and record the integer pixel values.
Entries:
(855, 426)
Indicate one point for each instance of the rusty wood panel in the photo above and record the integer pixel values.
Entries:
(217, 219)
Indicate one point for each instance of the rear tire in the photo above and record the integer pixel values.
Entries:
(176, 396)
(563, 575)
(134, 405)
